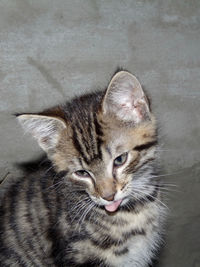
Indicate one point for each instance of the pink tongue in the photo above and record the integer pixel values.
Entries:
(113, 207)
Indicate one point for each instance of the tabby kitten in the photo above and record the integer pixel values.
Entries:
(101, 204)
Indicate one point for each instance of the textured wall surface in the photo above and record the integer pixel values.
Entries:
(51, 50)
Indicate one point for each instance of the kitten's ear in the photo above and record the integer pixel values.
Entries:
(125, 98)
(45, 129)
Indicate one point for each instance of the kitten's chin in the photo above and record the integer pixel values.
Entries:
(113, 206)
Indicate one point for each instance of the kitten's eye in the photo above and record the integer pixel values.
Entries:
(82, 173)
(120, 160)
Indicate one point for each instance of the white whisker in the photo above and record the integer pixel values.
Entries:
(145, 195)
(84, 214)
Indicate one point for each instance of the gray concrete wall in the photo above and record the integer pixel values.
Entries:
(51, 50)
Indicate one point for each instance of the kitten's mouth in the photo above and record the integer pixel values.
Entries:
(113, 206)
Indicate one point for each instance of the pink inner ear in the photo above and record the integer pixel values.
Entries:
(125, 105)
(125, 98)
(138, 108)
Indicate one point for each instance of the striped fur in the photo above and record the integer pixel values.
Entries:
(61, 217)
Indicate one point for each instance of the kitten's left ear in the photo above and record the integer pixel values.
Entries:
(45, 129)
(125, 99)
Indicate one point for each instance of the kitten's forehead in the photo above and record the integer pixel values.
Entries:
(87, 137)
(95, 139)
(124, 138)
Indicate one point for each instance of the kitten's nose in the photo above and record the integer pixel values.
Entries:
(109, 197)
(106, 188)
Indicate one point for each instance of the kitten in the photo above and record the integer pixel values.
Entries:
(100, 205)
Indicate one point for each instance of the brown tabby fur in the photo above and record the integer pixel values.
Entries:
(58, 218)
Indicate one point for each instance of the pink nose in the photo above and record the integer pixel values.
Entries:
(109, 197)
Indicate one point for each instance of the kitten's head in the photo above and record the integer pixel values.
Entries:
(104, 141)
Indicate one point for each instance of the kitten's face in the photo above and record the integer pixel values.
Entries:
(119, 170)
(108, 147)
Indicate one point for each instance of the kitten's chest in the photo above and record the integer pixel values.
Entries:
(132, 242)
(125, 240)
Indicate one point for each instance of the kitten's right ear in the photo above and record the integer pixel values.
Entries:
(45, 129)
(125, 99)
